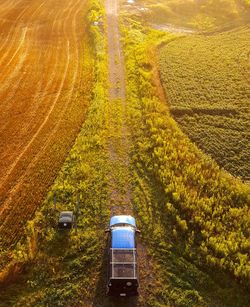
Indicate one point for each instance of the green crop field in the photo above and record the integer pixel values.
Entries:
(206, 79)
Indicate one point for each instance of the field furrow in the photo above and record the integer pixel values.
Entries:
(42, 49)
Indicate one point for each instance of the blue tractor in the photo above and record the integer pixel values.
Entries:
(122, 257)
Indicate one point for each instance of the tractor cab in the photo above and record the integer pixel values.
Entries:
(122, 257)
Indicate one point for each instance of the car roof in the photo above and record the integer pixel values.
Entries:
(123, 237)
(122, 219)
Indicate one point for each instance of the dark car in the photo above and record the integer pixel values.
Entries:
(66, 220)
(122, 255)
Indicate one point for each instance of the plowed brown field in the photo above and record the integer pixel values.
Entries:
(45, 81)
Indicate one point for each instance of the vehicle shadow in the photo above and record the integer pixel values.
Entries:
(101, 299)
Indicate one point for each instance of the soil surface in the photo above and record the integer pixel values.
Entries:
(41, 51)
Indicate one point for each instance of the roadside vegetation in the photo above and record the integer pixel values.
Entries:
(206, 80)
(194, 217)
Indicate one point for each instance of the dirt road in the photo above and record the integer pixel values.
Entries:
(119, 141)
(41, 103)
(121, 177)
(116, 59)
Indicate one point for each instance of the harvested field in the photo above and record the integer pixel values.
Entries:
(45, 82)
